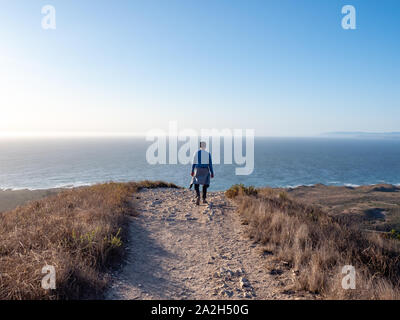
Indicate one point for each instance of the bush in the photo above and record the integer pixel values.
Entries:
(240, 190)
(393, 234)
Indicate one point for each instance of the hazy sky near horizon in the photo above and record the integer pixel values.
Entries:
(283, 68)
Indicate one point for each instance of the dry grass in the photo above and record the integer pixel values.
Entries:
(240, 190)
(80, 232)
(317, 246)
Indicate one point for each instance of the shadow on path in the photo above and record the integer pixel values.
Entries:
(144, 271)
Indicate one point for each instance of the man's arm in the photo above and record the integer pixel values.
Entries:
(210, 165)
(193, 164)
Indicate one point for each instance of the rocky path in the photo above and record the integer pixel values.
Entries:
(178, 250)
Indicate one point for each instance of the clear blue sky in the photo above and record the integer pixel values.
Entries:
(283, 68)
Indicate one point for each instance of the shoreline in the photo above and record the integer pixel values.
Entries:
(72, 186)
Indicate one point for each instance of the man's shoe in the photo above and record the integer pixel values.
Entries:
(197, 201)
(204, 200)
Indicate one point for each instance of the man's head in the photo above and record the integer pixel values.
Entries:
(203, 145)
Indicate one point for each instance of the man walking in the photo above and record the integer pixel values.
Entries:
(202, 169)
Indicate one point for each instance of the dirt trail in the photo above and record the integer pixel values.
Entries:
(178, 250)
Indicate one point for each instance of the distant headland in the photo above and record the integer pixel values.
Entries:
(362, 135)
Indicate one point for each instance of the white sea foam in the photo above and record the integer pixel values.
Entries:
(56, 186)
(299, 185)
(73, 185)
(351, 185)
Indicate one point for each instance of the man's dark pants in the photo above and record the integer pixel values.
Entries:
(197, 188)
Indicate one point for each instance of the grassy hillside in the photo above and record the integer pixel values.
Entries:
(80, 232)
(317, 245)
(375, 207)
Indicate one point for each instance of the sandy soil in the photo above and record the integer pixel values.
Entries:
(177, 250)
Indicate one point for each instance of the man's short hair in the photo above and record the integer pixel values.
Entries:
(203, 144)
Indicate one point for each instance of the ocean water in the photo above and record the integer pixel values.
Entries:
(279, 162)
